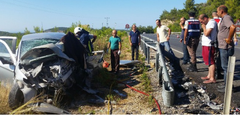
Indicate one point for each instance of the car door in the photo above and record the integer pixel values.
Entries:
(7, 59)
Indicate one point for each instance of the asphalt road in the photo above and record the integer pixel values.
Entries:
(203, 70)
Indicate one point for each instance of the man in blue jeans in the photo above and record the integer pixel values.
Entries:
(163, 37)
(186, 57)
(225, 42)
(134, 40)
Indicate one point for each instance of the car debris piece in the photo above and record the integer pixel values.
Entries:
(128, 62)
(48, 108)
(120, 94)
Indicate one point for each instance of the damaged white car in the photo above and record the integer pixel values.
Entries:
(41, 66)
(7, 59)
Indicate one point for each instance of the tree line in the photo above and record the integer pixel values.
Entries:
(206, 8)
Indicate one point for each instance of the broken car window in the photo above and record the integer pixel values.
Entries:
(29, 44)
(4, 54)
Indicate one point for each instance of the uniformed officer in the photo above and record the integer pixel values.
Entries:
(191, 38)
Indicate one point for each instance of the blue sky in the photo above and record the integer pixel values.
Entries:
(16, 15)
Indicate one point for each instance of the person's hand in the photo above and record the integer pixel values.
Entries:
(180, 23)
(228, 40)
(181, 40)
(235, 40)
(130, 44)
(139, 43)
(168, 38)
(184, 42)
(203, 26)
(119, 52)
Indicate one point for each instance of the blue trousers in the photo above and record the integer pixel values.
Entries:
(166, 46)
(224, 54)
(186, 57)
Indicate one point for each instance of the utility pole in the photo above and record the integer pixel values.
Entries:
(107, 20)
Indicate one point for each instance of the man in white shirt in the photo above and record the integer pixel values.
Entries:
(163, 37)
(209, 36)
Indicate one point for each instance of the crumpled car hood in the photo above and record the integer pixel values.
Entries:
(46, 64)
(43, 53)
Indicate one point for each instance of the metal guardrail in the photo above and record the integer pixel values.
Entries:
(163, 76)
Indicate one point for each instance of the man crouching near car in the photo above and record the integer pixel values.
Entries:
(209, 36)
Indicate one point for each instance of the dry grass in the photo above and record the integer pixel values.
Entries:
(4, 91)
(25, 109)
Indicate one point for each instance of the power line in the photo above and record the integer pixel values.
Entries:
(107, 20)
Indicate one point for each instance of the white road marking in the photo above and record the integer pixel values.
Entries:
(182, 53)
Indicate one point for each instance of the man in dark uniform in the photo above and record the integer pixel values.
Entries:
(191, 39)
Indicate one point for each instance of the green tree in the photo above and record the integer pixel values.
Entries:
(73, 26)
(189, 5)
(36, 29)
(233, 8)
(55, 29)
(41, 30)
(26, 31)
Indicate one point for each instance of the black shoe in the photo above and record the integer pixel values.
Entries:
(191, 66)
(192, 69)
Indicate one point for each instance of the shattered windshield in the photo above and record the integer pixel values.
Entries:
(29, 44)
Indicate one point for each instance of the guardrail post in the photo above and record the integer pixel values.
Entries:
(157, 61)
(148, 55)
(229, 84)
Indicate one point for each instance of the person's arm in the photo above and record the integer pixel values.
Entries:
(109, 43)
(130, 41)
(181, 25)
(206, 32)
(185, 32)
(235, 37)
(185, 36)
(231, 33)
(139, 42)
(169, 33)
(119, 45)
(94, 38)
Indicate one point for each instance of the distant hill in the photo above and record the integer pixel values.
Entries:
(3, 33)
(63, 29)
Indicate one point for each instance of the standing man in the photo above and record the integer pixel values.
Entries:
(163, 37)
(115, 44)
(209, 37)
(191, 39)
(134, 40)
(226, 45)
(186, 57)
(217, 54)
(85, 39)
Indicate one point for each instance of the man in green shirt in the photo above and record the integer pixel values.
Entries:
(115, 45)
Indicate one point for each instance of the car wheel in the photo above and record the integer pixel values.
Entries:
(15, 98)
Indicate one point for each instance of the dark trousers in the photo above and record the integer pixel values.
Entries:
(135, 47)
(192, 48)
(186, 57)
(115, 59)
